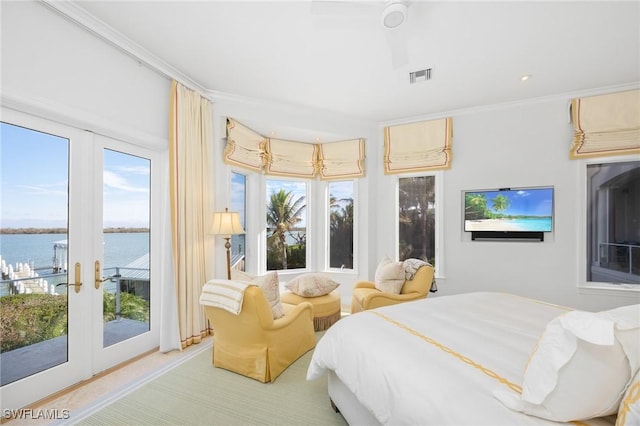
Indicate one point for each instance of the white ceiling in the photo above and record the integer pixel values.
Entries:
(340, 61)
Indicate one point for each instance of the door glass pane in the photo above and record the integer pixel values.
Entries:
(33, 251)
(238, 204)
(126, 290)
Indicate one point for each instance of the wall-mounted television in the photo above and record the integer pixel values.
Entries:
(514, 212)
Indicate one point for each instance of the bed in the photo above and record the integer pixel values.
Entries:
(448, 360)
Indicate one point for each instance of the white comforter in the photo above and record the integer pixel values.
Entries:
(436, 361)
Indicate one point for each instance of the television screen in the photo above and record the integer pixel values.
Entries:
(509, 210)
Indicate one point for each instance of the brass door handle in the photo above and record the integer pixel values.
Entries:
(77, 271)
(98, 278)
(78, 276)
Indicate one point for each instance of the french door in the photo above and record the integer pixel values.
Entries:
(78, 220)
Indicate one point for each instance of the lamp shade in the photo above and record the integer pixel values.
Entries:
(226, 223)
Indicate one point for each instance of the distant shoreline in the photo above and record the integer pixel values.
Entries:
(117, 230)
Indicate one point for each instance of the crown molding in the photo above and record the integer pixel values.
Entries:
(513, 104)
(79, 16)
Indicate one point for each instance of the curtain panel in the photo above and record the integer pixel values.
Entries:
(244, 148)
(190, 139)
(291, 159)
(606, 125)
(341, 160)
(250, 150)
(416, 147)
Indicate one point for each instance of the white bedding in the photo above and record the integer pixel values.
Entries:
(437, 360)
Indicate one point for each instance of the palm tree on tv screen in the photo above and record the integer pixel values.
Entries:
(500, 203)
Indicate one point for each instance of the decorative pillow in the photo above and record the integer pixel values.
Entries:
(581, 367)
(629, 411)
(389, 276)
(241, 275)
(271, 287)
(311, 285)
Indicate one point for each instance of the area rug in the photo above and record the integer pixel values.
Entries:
(196, 393)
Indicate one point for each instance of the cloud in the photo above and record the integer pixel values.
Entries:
(45, 189)
(116, 181)
(134, 170)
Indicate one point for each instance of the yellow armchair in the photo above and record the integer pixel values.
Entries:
(256, 345)
(367, 296)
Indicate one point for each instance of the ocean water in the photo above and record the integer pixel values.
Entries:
(538, 224)
(120, 249)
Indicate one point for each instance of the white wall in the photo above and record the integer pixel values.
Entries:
(52, 67)
(515, 145)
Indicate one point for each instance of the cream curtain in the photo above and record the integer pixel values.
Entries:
(291, 159)
(606, 125)
(338, 160)
(245, 148)
(191, 138)
(341, 160)
(421, 146)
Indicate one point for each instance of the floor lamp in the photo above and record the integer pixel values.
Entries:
(227, 223)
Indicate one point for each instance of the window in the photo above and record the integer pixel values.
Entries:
(341, 224)
(417, 218)
(286, 224)
(613, 222)
(238, 204)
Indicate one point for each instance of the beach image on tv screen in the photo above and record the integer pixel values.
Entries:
(529, 210)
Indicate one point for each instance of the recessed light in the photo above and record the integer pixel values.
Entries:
(525, 77)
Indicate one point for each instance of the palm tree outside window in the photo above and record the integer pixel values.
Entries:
(286, 225)
(416, 216)
(341, 214)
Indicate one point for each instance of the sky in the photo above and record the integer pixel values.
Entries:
(533, 202)
(34, 182)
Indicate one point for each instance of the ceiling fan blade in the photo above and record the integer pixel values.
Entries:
(397, 41)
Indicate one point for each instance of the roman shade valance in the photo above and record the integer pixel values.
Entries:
(341, 160)
(606, 125)
(420, 146)
(337, 160)
(245, 148)
(290, 158)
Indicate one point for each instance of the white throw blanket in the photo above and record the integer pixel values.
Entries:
(225, 294)
(411, 266)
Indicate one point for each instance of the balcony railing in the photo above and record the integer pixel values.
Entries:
(621, 257)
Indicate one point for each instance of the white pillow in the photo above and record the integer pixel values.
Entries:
(389, 277)
(581, 367)
(311, 285)
(629, 411)
(270, 287)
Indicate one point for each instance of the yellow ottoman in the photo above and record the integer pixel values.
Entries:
(326, 309)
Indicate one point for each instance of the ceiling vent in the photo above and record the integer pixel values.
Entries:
(421, 75)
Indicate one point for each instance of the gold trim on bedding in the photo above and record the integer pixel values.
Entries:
(450, 351)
